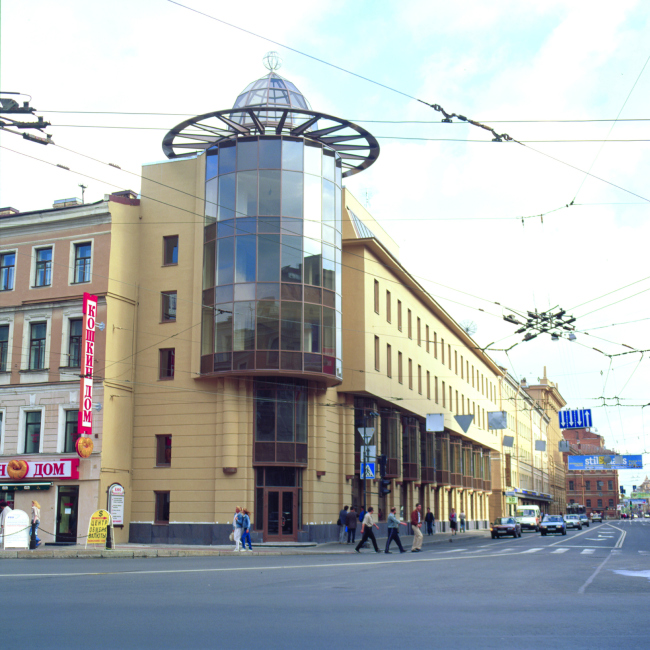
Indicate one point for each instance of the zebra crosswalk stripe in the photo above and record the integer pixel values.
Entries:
(560, 550)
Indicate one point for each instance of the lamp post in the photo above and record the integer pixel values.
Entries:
(366, 454)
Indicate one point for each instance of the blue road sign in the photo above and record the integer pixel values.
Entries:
(368, 471)
(575, 419)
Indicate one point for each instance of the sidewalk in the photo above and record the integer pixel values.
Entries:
(271, 549)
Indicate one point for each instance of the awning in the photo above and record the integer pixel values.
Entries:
(529, 494)
(14, 487)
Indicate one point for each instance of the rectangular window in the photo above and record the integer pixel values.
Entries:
(587, 485)
(462, 363)
(170, 250)
(588, 502)
(435, 388)
(610, 485)
(167, 360)
(43, 267)
(419, 379)
(376, 297)
(457, 411)
(82, 254)
(472, 376)
(37, 334)
(400, 377)
(571, 486)
(399, 315)
(32, 432)
(611, 503)
(388, 314)
(435, 345)
(428, 385)
(600, 503)
(168, 306)
(74, 343)
(462, 404)
(456, 361)
(426, 333)
(163, 450)
(442, 348)
(419, 332)
(389, 361)
(162, 507)
(7, 271)
(467, 371)
(71, 424)
(449, 355)
(4, 347)
(599, 485)
(376, 353)
(444, 395)
(409, 324)
(410, 374)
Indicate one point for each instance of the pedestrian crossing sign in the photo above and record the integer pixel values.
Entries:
(367, 470)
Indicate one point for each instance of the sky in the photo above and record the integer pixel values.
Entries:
(567, 79)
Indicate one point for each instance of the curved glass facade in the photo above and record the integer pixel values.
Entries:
(272, 257)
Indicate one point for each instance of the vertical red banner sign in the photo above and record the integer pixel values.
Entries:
(85, 426)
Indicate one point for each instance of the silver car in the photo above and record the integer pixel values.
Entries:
(585, 520)
(573, 521)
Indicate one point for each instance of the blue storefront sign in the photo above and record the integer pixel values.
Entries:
(606, 461)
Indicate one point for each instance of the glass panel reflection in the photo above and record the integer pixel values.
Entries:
(292, 155)
(247, 154)
(287, 513)
(312, 264)
(227, 196)
(313, 158)
(247, 194)
(328, 165)
(312, 331)
(273, 513)
(211, 164)
(225, 260)
(269, 199)
(268, 263)
(313, 198)
(268, 325)
(223, 328)
(270, 153)
(292, 194)
(291, 267)
(227, 158)
(211, 198)
(244, 326)
(291, 325)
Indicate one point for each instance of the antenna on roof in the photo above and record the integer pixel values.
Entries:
(83, 191)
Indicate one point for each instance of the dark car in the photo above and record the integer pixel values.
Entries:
(553, 524)
(505, 526)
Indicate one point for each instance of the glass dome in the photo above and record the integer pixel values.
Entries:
(272, 90)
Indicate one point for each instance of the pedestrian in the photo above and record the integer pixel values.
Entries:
(393, 531)
(36, 520)
(351, 523)
(342, 523)
(430, 519)
(246, 535)
(452, 521)
(462, 522)
(238, 526)
(367, 531)
(416, 523)
(5, 509)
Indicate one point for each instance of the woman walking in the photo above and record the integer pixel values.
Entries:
(246, 528)
(36, 520)
(238, 526)
(452, 521)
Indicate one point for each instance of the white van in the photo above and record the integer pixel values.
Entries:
(529, 517)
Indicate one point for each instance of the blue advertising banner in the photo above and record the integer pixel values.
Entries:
(607, 461)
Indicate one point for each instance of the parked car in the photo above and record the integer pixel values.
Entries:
(553, 524)
(596, 516)
(573, 521)
(505, 526)
(585, 520)
(646, 515)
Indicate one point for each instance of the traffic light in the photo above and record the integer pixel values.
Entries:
(622, 490)
(383, 460)
(384, 487)
(634, 488)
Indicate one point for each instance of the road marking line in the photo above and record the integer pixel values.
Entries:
(588, 551)
(616, 552)
(252, 568)
(532, 550)
(560, 550)
(593, 575)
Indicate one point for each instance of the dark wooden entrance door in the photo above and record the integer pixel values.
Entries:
(280, 515)
(67, 508)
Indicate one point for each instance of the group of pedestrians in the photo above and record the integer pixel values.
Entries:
(241, 529)
(347, 523)
(393, 524)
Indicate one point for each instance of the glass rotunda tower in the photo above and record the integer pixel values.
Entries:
(272, 235)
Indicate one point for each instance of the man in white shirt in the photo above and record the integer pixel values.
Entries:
(367, 531)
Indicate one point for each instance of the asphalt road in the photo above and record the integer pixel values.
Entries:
(587, 589)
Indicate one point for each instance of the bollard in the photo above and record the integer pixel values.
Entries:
(32, 539)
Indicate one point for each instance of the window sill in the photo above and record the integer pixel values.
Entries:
(28, 370)
(41, 286)
(80, 282)
(161, 523)
(69, 367)
(164, 322)
(12, 288)
(165, 379)
(162, 466)
(170, 264)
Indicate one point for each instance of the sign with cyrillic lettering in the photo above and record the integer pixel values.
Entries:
(46, 468)
(85, 426)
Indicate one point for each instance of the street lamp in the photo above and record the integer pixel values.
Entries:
(366, 454)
